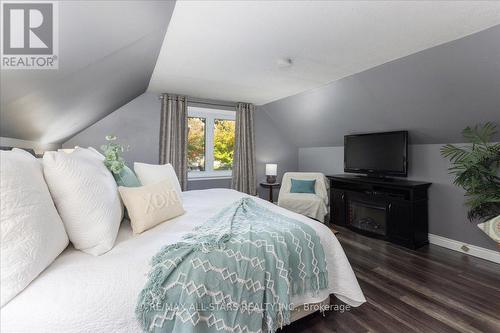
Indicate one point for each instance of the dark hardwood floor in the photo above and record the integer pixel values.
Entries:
(429, 290)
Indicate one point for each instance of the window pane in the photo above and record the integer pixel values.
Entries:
(223, 144)
(196, 144)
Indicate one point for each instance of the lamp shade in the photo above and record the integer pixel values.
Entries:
(271, 169)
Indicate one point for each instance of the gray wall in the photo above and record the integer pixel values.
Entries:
(137, 124)
(203, 184)
(107, 52)
(447, 213)
(434, 94)
(272, 147)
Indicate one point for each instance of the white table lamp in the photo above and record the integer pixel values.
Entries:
(271, 173)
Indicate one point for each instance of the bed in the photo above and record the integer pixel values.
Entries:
(82, 293)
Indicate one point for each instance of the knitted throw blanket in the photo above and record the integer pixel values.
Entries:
(234, 273)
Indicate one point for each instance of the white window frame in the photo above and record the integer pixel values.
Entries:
(210, 115)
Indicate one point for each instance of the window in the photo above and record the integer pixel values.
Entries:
(196, 143)
(210, 142)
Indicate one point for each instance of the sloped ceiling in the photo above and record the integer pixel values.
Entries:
(228, 50)
(107, 52)
(434, 94)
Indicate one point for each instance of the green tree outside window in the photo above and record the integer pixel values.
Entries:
(223, 144)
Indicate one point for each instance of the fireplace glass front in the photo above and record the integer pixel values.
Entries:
(367, 216)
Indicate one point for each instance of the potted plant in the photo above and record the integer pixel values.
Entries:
(476, 169)
(116, 164)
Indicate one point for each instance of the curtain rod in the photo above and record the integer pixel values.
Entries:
(214, 104)
(195, 101)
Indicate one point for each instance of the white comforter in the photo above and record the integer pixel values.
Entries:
(83, 293)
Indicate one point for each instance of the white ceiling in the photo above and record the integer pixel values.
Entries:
(228, 50)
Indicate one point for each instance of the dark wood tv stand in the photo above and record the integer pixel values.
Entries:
(391, 209)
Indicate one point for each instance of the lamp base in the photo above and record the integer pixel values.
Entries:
(271, 179)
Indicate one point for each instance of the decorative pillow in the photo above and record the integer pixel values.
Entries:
(151, 205)
(86, 196)
(492, 229)
(126, 178)
(32, 233)
(303, 186)
(153, 173)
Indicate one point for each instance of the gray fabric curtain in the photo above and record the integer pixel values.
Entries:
(244, 177)
(173, 135)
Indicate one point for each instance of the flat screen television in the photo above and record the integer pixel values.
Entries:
(377, 154)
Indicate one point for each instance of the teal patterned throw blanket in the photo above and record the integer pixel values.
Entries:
(234, 273)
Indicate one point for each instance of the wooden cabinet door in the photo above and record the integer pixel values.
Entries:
(337, 207)
(399, 223)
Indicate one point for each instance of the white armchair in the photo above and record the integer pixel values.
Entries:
(314, 205)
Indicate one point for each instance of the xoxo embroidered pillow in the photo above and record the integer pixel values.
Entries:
(151, 205)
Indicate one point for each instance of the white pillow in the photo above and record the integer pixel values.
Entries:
(98, 153)
(32, 233)
(86, 196)
(151, 204)
(154, 173)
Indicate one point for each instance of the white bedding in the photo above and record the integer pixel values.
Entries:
(83, 293)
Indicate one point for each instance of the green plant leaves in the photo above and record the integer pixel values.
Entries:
(476, 170)
(479, 134)
(112, 158)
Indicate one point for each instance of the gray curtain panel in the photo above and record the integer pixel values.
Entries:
(244, 177)
(173, 135)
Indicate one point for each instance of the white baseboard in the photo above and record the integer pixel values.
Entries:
(473, 250)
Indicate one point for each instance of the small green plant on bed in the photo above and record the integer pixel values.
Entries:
(476, 169)
(112, 153)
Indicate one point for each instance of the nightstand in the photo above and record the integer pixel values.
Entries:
(270, 186)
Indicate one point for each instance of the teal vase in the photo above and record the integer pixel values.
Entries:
(126, 178)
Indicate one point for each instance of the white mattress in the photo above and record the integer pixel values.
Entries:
(83, 293)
